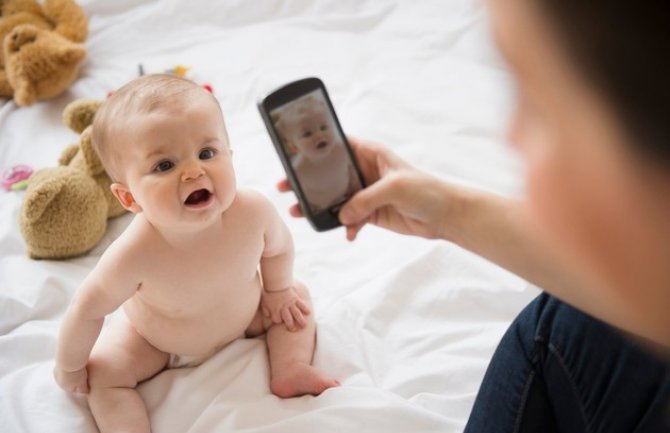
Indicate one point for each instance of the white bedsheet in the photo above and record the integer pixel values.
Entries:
(407, 325)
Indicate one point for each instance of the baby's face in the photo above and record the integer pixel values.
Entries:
(179, 167)
(310, 130)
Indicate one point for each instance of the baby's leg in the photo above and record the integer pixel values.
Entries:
(120, 360)
(291, 357)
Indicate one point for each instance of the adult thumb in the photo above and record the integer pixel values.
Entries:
(366, 201)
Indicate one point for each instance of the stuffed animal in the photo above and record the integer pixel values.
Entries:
(40, 48)
(65, 210)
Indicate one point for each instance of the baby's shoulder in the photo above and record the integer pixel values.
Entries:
(252, 206)
(250, 200)
(131, 245)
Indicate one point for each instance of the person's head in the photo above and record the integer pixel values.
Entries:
(307, 128)
(163, 141)
(593, 124)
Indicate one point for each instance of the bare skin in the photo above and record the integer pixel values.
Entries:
(594, 227)
(185, 273)
(403, 199)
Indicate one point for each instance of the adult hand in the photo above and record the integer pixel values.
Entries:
(398, 196)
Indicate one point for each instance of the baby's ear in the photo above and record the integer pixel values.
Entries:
(125, 197)
(287, 144)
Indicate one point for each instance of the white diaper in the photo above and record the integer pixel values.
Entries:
(189, 361)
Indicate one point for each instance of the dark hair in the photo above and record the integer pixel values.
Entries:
(622, 47)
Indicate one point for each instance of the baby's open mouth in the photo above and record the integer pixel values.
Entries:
(322, 144)
(198, 197)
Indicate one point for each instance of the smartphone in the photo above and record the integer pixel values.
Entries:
(316, 156)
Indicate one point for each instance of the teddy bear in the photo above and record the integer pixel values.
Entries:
(40, 48)
(65, 210)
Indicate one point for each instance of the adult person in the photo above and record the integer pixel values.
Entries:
(592, 123)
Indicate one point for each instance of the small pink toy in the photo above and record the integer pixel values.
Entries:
(14, 175)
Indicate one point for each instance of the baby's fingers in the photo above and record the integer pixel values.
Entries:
(276, 316)
(288, 319)
(297, 315)
(303, 307)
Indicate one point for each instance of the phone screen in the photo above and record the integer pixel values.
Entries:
(315, 148)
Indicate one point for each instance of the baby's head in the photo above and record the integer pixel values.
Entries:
(127, 108)
(163, 142)
(307, 127)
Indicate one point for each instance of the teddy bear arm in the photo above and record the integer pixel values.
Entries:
(71, 54)
(69, 18)
(93, 163)
(24, 92)
(79, 114)
(6, 90)
(68, 154)
(11, 7)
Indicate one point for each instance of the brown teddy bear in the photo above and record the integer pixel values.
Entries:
(65, 210)
(41, 48)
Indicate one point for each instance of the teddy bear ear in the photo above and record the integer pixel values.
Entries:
(45, 185)
(80, 113)
(93, 164)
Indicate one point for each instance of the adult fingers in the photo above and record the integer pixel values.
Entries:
(352, 231)
(296, 211)
(284, 185)
(381, 193)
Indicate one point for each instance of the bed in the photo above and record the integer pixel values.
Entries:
(407, 325)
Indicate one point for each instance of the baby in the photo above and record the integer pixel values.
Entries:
(321, 162)
(186, 270)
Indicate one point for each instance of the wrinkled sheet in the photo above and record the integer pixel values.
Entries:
(407, 325)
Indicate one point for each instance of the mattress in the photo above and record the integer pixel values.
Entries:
(407, 325)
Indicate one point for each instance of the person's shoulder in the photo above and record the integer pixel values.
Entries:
(121, 265)
(251, 199)
(254, 206)
(129, 247)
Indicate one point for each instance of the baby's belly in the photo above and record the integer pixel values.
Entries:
(197, 331)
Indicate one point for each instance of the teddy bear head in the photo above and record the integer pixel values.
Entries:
(40, 48)
(39, 63)
(65, 210)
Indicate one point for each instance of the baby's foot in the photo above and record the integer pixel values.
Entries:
(300, 379)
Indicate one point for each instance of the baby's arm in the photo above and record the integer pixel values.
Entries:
(280, 301)
(102, 292)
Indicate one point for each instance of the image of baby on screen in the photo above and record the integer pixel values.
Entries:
(316, 151)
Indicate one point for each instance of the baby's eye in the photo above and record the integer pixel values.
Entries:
(206, 154)
(324, 127)
(163, 166)
(307, 134)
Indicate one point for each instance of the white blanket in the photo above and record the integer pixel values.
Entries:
(407, 325)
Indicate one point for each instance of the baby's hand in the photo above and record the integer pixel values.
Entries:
(285, 306)
(72, 381)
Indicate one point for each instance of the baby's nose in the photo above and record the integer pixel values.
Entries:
(192, 171)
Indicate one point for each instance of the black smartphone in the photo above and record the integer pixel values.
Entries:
(316, 156)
